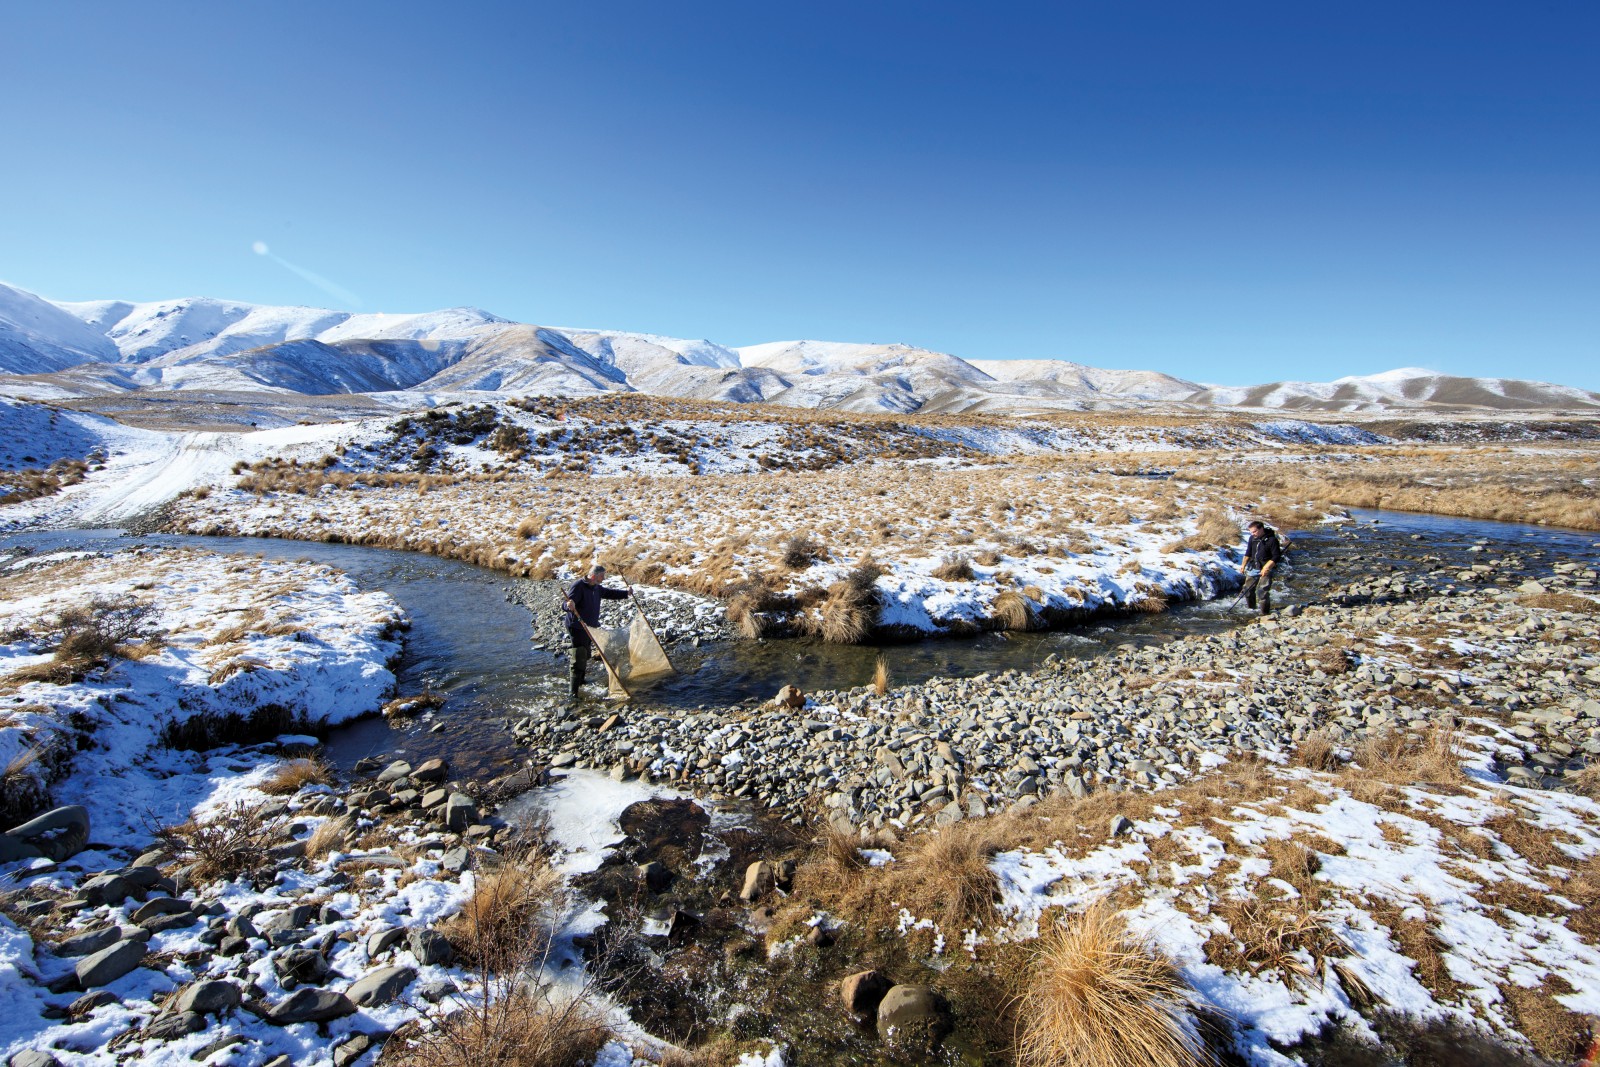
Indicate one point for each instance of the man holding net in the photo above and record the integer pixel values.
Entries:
(583, 609)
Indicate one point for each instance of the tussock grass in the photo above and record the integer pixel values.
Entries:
(955, 567)
(332, 835)
(515, 1027)
(1099, 997)
(880, 685)
(1011, 611)
(947, 877)
(1318, 752)
(293, 775)
(513, 910)
(1566, 602)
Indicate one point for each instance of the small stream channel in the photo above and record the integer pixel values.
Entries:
(472, 644)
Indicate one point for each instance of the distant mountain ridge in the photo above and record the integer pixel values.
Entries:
(222, 346)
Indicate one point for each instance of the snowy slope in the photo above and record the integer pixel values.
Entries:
(37, 337)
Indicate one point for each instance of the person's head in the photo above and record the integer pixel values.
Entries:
(1257, 527)
(597, 574)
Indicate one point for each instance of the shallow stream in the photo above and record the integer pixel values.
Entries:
(472, 644)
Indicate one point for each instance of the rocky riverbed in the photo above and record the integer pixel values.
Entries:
(1385, 652)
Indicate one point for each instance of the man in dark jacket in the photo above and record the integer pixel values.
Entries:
(583, 602)
(1262, 552)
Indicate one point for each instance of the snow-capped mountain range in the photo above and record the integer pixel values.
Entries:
(221, 346)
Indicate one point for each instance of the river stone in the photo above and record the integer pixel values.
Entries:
(209, 998)
(913, 1020)
(106, 889)
(455, 860)
(32, 1057)
(433, 770)
(758, 881)
(159, 906)
(381, 986)
(352, 1049)
(384, 940)
(459, 812)
(90, 1001)
(173, 1025)
(309, 1005)
(91, 941)
(656, 876)
(300, 965)
(430, 947)
(659, 822)
(394, 772)
(863, 991)
(109, 964)
(1120, 825)
(790, 697)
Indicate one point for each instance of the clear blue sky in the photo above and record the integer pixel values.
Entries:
(1233, 192)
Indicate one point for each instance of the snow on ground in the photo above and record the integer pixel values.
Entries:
(236, 635)
(1382, 856)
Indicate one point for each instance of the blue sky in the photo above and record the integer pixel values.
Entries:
(1233, 192)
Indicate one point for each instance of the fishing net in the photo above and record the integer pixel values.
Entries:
(631, 653)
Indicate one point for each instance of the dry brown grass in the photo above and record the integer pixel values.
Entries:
(513, 909)
(1317, 752)
(1270, 935)
(1556, 1033)
(516, 1027)
(1568, 602)
(1397, 758)
(947, 877)
(332, 835)
(1587, 781)
(1099, 997)
(880, 678)
(1419, 939)
(954, 568)
(294, 775)
(234, 842)
(1011, 611)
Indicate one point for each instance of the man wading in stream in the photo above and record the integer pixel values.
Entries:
(1261, 553)
(583, 602)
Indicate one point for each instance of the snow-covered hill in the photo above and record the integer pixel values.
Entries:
(219, 346)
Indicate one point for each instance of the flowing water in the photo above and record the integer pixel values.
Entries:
(471, 644)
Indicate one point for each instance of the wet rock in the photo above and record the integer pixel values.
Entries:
(433, 770)
(913, 1020)
(656, 876)
(109, 964)
(659, 822)
(381, 986)
(394, 772)
(309, 1005)
(863, 991)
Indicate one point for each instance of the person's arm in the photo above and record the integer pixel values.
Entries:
(1274, 553)
(607, 593)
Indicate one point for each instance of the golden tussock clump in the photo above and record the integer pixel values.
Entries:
(1099, 997)
(293, 775)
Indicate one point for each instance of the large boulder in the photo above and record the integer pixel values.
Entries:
(209, 997)
(309, 1004)
(913, 1020)
(758, 881)
(109, 964)
(56, 835)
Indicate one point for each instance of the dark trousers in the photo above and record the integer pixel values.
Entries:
(1262, 584)
(582, 649)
